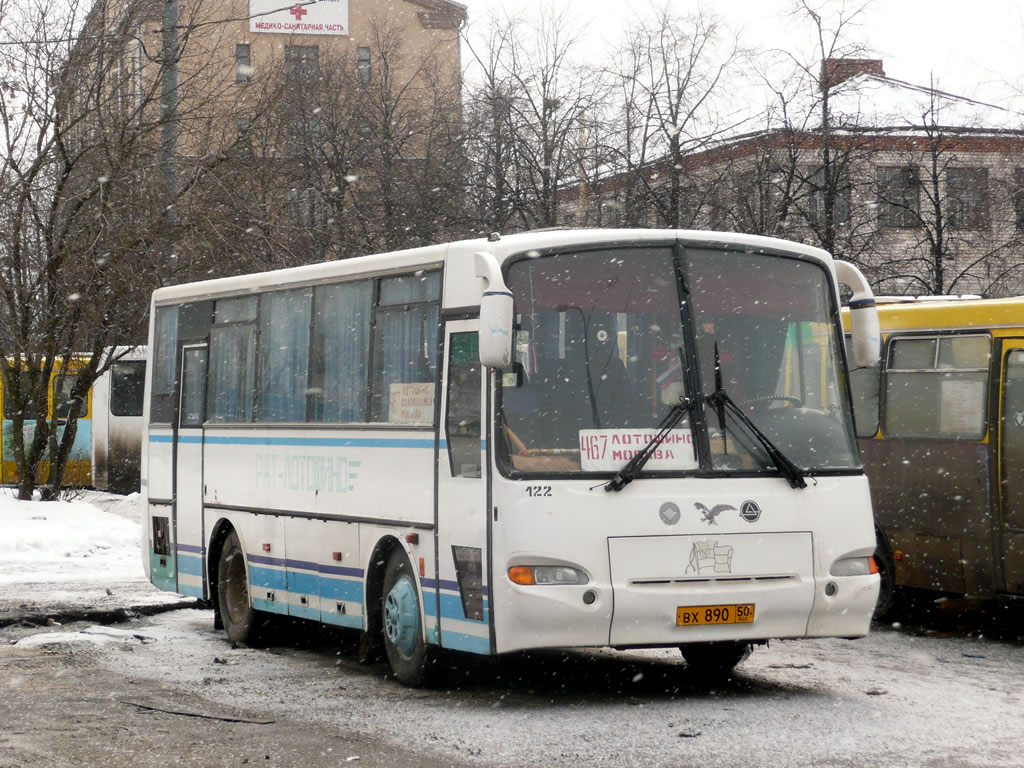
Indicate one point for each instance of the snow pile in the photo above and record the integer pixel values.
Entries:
(69, 541)
(90, 636)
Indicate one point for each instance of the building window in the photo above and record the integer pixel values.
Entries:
(898, 198)
(307, 208)
(363, 65)
(817, 187)
(967, 192)
(243, 135)
(243, 63)
(303, 133)
(301, 65)
(1018, 198)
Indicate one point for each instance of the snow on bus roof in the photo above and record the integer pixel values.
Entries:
(502, 246)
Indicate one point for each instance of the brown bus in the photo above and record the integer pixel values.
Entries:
(940, 422)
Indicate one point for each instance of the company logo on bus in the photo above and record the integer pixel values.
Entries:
(669, 513)
(750, 511)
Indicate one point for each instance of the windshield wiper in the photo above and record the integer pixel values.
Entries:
(634, 466)
(721, 401)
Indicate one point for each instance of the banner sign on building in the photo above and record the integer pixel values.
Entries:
(323, 17)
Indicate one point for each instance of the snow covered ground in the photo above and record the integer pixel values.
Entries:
(896, 697)
(80, 555)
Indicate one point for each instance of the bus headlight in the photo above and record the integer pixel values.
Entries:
(854, 566)
(546, 574)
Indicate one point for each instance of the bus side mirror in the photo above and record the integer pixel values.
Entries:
(495, 314)
(867, 338)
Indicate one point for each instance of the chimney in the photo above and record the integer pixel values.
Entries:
(836, 71)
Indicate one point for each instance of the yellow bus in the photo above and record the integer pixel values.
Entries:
(940, 422)
(79, 470)
(108, 441)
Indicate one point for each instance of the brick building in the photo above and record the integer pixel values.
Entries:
(924, 189)
(286, 106)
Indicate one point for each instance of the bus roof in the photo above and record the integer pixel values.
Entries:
(502, 246)
(934, 314)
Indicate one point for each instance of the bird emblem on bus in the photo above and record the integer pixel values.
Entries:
(710, 516)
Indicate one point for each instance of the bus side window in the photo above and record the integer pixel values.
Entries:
(405, 349)
(127, 381)
(62, 397)
(232, 360)
(936, 386)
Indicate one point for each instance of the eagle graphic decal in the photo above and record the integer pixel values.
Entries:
(710, 516)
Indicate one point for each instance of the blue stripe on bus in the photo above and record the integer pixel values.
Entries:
(278, 561)
(271, 606)
(311, 581)
(190, 591)
(342, 589)
(320, 568)
(342, 619)
(462, 642)
(304, 611)
(329, 442)
(450, 586)
(451, 608)
(268, 578)
(190, 564)
(189, 548)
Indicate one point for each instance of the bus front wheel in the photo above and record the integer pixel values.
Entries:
(241, 621)
(714, 660)
(411, 660)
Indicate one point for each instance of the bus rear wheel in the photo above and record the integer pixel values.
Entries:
(714, 660)
(241, 621)
(411, 660)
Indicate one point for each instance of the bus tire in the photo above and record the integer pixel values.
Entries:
(711, 661)
(411, 660)
(888, 597)
(241, 622)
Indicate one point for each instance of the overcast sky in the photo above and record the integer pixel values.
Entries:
(971, 47)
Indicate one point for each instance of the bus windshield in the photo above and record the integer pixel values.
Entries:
(609, 340)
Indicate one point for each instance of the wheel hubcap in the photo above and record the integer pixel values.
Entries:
(402, 616)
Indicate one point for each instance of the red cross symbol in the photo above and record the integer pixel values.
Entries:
(298, 12)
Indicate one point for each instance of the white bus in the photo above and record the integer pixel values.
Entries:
(117, 425)
(598, 438)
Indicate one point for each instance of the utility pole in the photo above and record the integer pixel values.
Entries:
(169, 111)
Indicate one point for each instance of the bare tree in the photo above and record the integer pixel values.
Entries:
(84, 236)
(950, 211)
(526, 116)
(816, 143)
(669, 87)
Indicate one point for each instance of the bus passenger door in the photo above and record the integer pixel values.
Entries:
(460, 597)
(1011, 465)
(188, 459)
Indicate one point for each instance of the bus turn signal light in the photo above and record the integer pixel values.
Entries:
(872, 565)
(521, 574)
(546, 574)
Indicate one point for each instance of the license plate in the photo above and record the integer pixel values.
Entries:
(700, 615)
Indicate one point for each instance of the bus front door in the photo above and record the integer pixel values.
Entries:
(1011, 465)
(461, 589)
(188, 472)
